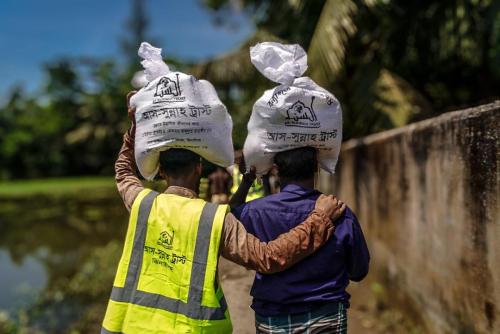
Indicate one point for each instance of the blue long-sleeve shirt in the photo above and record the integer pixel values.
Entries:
(318, 279)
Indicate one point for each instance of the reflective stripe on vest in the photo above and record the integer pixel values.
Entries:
(192, 308)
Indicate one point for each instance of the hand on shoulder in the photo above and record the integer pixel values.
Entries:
(330, 206)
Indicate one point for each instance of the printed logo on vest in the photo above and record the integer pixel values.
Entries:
(166, 239)
(302, 116)
(168, 90)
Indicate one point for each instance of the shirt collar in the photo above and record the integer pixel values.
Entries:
(181, 191)
(299, 190)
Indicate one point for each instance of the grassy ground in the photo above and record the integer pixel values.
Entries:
(68, 185)
(55, 185)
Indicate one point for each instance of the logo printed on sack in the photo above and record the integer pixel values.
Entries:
(302, 116)
(166, 239)
(168, 90)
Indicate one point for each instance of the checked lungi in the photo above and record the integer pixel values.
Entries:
(331, 318)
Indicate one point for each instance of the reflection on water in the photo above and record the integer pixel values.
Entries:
(20, 282)
(58, 256)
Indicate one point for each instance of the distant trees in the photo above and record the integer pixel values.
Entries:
(389, 62)
(73, 127)
(74, 123)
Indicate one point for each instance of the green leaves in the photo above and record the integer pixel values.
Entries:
(389, 62)
(330, 40)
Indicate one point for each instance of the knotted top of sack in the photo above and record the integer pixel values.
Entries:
(279, 62)
(153, 63)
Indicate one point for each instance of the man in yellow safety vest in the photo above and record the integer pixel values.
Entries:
(166, 281)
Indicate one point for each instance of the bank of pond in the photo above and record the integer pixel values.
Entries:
(60, 241)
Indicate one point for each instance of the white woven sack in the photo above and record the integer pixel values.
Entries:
(175, 110)
(297, 113)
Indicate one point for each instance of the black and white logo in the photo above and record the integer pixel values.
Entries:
(166, 239)
(168, 87)
(301, 115)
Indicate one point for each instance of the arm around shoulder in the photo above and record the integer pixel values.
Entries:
(243, 248)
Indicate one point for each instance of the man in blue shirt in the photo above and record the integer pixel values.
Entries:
(310, 296)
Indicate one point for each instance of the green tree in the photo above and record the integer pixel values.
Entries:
(389, 62)
(291, 20)
(31, 144)
(74, 124)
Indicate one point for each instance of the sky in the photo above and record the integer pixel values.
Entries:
(34, 32)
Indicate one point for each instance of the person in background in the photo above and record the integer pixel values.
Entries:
(311, 296)
(167, 276)
(219, 186)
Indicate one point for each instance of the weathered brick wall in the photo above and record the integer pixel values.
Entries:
(427, 197)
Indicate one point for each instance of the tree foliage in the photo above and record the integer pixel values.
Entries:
(68, 129)
(74, 124)
(389, 62)
(293, 20)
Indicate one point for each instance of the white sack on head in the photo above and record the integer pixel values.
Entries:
(278, 62)
(297, 113)
(175, 110)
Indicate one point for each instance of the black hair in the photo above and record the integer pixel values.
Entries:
(178, 161)
(297, 164)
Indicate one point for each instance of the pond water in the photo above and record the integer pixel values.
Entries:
(20, 282)
(58, 256)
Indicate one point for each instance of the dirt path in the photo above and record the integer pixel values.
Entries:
(236, 282)
(366, 315)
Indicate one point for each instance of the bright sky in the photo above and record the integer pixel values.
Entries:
(33, 32)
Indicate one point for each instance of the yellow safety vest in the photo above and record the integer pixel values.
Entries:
(166, 280)
(256, 190)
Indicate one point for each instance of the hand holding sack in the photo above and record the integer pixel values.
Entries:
(297, 113)
(175, 110)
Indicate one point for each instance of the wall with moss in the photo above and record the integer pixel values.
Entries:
(427, 197)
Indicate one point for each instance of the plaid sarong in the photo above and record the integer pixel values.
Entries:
(331, 318)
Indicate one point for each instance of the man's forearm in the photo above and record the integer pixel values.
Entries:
(289, 248)
(127, 182)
